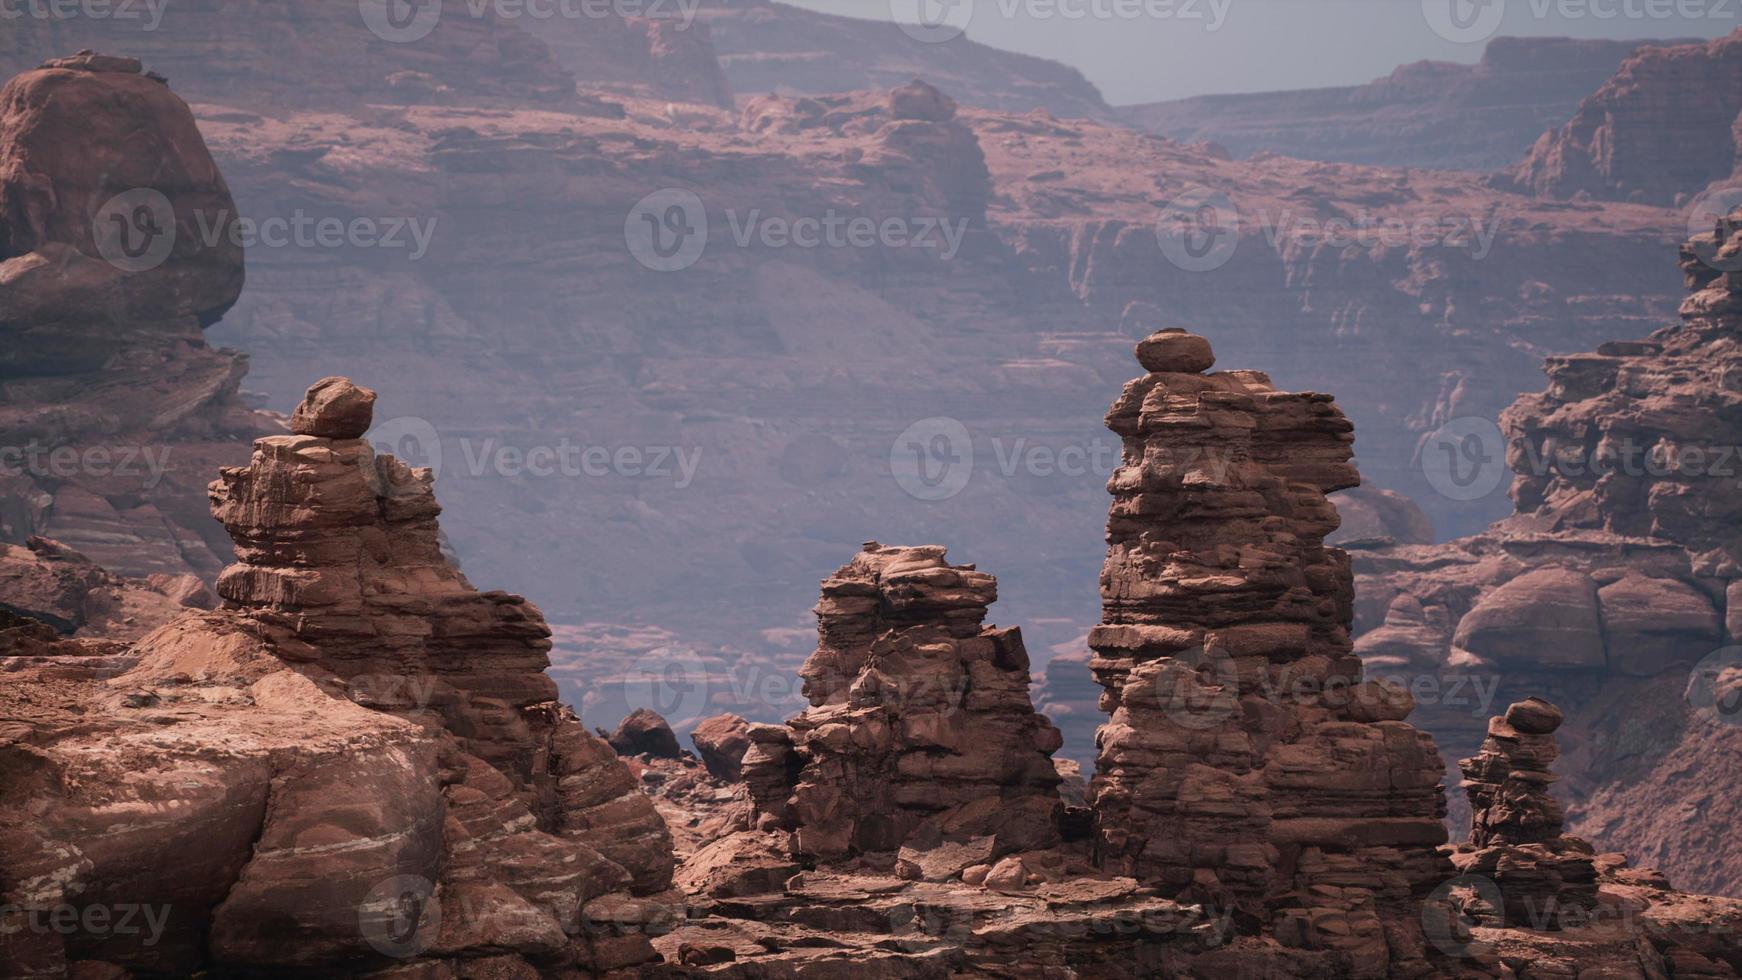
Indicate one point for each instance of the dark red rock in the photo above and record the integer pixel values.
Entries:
(645, 733)
(334, 408)
(721, 742)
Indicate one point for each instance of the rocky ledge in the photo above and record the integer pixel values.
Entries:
(356, 763)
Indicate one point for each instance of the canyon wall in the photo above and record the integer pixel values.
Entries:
(742, 421)
(1659, 131)
(1433, 114)
(1611, 590)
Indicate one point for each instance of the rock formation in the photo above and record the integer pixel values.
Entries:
(766, 46)
(721, 741)
(1546, 879)
(363, 758)
(1436, 114)
(777, 468)
(1246, 764)
(920, 735)
(114, 410)
(1659, 131)
(1612, 582)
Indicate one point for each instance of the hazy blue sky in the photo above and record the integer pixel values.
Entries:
(1146, 50)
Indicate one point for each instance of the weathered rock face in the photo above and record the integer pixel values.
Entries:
(357, 760)
(1246, 764)
(1661, 128)
(1639, 438)
(57, 586)
(1613, 581)
(114, 409)
(920, 736)
(1546, 879)
(766, 46)
(721, 741)
(1427, 114)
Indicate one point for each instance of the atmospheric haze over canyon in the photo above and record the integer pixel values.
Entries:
(721, 488)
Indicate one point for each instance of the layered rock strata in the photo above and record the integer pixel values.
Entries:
(1246, 764)
(1660, 130)
(1546, 879)
(920, 729)
(1611, 586)
(356, 761)
(115, 254)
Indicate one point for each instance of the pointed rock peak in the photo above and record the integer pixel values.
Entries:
(334, 408)
(1175, 352)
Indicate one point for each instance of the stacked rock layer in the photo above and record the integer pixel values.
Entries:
(1246, 764)
(356, 763)
(920, 728)
(115, 411)
(1545, 879)
(1618, 579)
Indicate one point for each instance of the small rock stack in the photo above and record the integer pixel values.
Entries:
(340, 570)
(1246, 764)
(1546, 879)
(920, 734)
